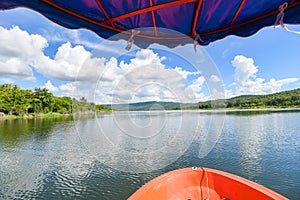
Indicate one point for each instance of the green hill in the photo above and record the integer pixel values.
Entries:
(150, 105)
(286, 99)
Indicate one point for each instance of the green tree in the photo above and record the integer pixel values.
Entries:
(7, 98)
(62, 104)
(43, 99)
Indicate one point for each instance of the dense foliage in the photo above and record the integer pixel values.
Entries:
(14, 100)
(284, 99)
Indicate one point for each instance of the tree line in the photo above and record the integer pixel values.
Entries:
(16, 101)
(284, 99)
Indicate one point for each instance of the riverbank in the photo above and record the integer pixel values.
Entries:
(34, 115)
(90, 114)
(51, 115)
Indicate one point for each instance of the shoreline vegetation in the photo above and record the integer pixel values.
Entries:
(16, 103)
(27, 104)
(287, 99)
(53, 115)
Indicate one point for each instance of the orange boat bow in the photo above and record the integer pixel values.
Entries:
(200, 184)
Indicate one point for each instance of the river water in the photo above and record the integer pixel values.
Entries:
(110, 156)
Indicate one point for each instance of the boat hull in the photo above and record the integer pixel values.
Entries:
(203, 183)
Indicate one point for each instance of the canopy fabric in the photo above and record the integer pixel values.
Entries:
(209, 20)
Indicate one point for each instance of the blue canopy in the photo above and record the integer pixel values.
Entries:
(205, 20)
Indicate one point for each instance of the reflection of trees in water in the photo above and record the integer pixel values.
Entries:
(13, 132)
(41, 157)
(261, 111)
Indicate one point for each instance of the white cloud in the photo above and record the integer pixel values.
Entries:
(146, 78)
(18, 51)
(258, 86)
(244, 68)
(150, 81)
(143, 57)
(185, 73)
(49, 86)
(14, 67)
(196, 85)
(142, 78)
(70, 64)
(246, 81)
(214, 78)
(21, 51)
(68, 89)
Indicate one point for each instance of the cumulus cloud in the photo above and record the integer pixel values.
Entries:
(246, 81)
(143, 78)
(70, 64)
(146, 78)
(244, 68)
(14, 67)
(143, 57)
(214, 78)
(196, 85)
(185, 73)
(21, 51)
(49, 86)
(18, 52)
(258, 86)
(70, 89)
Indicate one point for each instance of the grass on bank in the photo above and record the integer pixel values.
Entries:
(33, 115)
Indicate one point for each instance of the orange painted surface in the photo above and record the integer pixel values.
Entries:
(189, 184)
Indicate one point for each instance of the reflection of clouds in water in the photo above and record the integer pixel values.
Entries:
(278, 131)
(11, 171)
(41, 158)
(142, 124)
(252, 137)
(284, 141)
(212, 135)
(54, 165)
(127, 147)
(117, 141)
(23, 170)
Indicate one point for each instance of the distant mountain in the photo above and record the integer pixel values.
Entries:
(150, 105)
(284, 99)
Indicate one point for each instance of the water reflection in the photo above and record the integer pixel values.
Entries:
(19, 153)
(252, 138)
(47, 159)
(119, 143)
(14, 132)
(209, 138)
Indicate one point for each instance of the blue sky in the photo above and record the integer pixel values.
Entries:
(35, 52)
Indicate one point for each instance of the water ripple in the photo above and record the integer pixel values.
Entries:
(47, 160)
